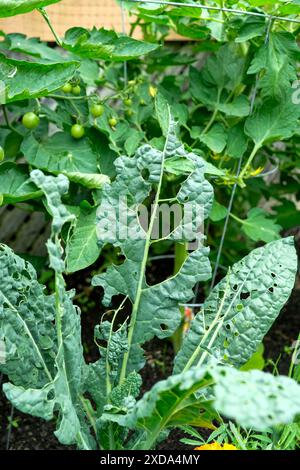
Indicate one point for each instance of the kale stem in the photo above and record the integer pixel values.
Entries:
(89, 413)
(143, 265)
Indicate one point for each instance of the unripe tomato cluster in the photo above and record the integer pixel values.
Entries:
(31, 120)
(69, 88)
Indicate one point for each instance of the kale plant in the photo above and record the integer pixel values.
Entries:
(100, 405)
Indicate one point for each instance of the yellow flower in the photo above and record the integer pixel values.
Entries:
(257, 171)
(152, 91)
(216, 446)
(229, 447)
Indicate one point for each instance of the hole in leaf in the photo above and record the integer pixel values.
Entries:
(164, 327)
(50, 395)
(244, 295)
(145, 174)
(25, 274)
(271, 290)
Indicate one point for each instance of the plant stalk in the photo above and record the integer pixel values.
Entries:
(143, 267)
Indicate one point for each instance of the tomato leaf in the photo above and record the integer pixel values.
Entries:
(102, 44)
(15, 183)
(17, 7)
(258, 226)
(23, 80)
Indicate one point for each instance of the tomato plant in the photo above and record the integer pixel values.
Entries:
(214, 122)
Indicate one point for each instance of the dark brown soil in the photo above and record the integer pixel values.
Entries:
(29, 433)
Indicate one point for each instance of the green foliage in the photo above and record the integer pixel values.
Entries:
(17, 7)
(25, 80)
(258, 227)
(240, 310)
(174, 125)
(161, 318)
(58, 374)
(15, 183)
(101, 44)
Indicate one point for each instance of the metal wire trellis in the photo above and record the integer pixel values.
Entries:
(215, 8)
(229, 208)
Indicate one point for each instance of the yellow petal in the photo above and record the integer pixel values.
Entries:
(216, 446)
(152, 91)
(257, 171)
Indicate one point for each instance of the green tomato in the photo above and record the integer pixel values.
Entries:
(128, 102)
(97, 110)
(30, 120)
(2, 154)
(76, 90)
(129, 112)
(77, 131)
(112, 122)
(67, 88)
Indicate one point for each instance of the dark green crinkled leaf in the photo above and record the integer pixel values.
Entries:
(17, 7)
(241, 308)
(129, 388)
(26, 323)
(103, 375)
(42, 334)
(69, 361)
(254, 399)
(102, 44)
(157, 312)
